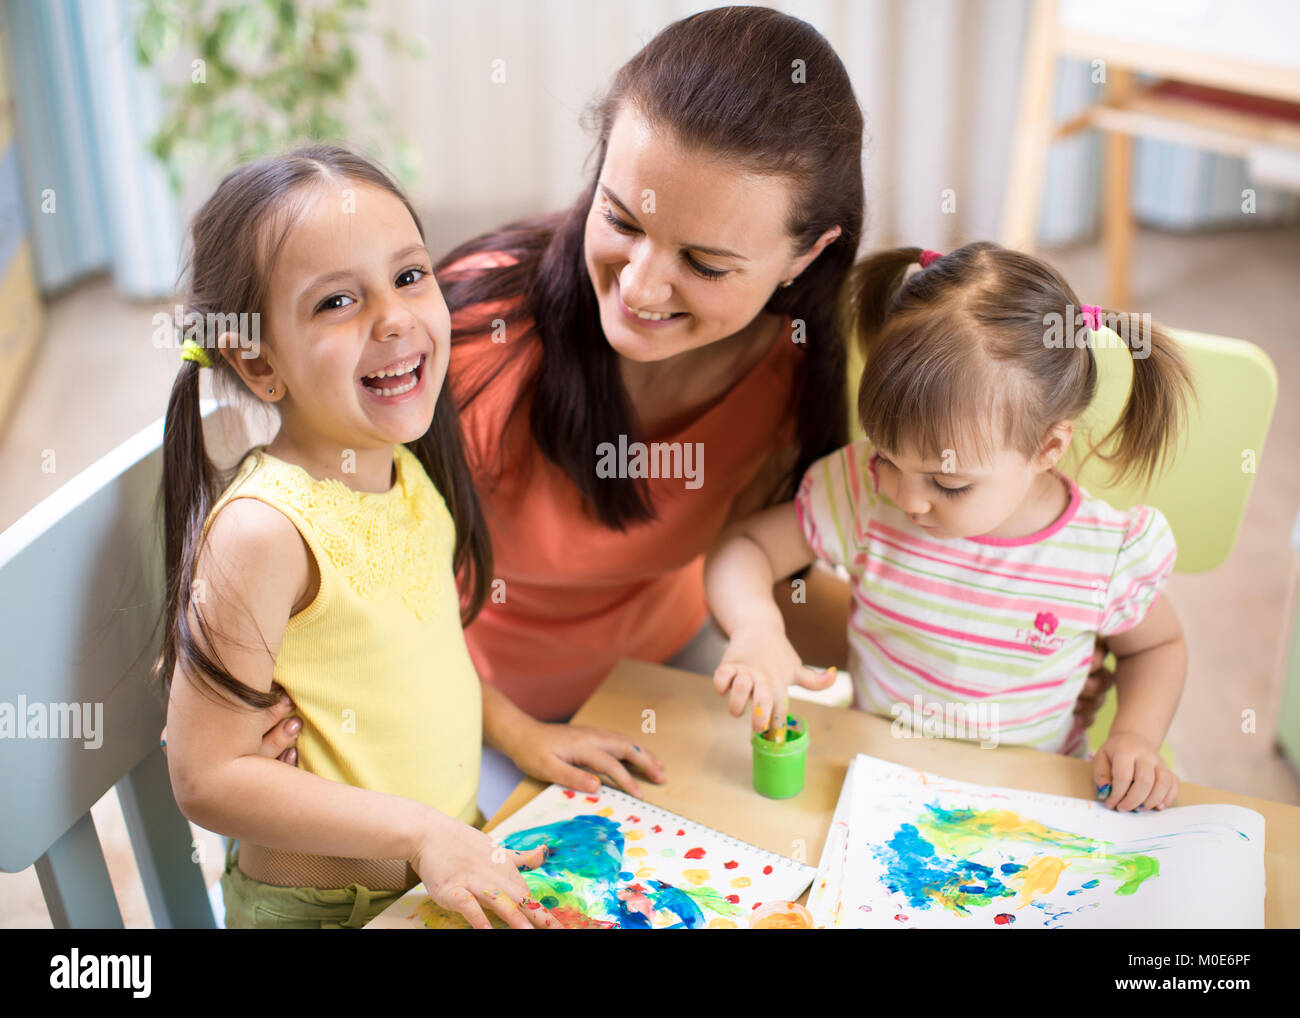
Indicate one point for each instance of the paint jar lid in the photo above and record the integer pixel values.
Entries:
(779, 766)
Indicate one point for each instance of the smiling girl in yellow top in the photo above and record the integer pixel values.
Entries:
(328, 564)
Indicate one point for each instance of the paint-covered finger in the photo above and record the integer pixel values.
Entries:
(1121, 777)
(531, 859)
(504, 905)
(647, 763)
(463, 901)
(763, 703)
(741, 686)
(541, 917)
(1101, 774)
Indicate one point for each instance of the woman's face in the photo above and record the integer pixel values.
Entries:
(682, 248)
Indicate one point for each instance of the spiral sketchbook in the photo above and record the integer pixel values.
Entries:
(910, 849)
(617, 862)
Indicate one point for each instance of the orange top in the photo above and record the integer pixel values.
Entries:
(578, 595)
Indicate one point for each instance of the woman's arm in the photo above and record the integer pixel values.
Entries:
(1149, 677)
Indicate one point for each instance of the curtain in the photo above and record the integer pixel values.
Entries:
(938, 82)
(97, 200)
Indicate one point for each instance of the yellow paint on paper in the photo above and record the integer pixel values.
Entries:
(696, 877)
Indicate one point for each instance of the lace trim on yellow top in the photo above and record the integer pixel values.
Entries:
(378, 541)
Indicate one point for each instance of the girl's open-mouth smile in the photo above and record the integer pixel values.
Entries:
(398, 382)
(645, 319)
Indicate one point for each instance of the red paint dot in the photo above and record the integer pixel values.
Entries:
(680, 833)
(734, 899)
(695, 853)
(633, 820)
(755, 905)
(767, 870)
(569, 793)
(731, 865)
(657, 829)
(901, 918)
(1004, 919)
(592, 798)
(532, 905)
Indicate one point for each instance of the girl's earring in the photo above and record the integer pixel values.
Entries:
(271, 391)
(787, 282)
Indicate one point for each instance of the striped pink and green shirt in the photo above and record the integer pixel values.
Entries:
(997, 625)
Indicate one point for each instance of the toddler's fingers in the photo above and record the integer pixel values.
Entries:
(1172, 794)
(723, 676)
(1159, 789)
(1121, 776)
(741, 686)
(816, 678)
(1143, 775)
(762, 708)
(647, 762)
(531, 859)
(1101, 774)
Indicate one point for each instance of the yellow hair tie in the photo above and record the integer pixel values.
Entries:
(192, 351)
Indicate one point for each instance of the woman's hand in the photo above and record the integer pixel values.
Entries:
(1130, 775)
(761, 665)
(1093, 693)
(281, 733)
(464, 872)
(560, 753)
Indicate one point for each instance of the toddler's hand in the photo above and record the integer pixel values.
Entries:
(463, 871)
(1130, 775)
(762, 665)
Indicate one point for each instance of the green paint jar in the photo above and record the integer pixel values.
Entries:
(779, 766)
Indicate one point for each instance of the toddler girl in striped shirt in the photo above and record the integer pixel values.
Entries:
(981, 575)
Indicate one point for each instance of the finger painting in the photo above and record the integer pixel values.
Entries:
(616, 862)
(908, 849)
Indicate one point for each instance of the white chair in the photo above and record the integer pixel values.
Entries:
(81, 588)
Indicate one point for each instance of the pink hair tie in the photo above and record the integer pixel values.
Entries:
(1092, 315)
(928, 257)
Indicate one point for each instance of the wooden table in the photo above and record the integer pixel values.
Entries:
(706, 754)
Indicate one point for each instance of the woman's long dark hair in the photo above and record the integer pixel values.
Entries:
(762, 89)
(234, 239)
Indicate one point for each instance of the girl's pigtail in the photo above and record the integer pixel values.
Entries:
(1156, 411)
(874, 284)
(191, 484)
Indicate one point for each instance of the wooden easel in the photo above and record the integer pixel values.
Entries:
(1212, 101)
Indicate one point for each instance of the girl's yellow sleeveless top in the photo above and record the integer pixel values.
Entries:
(377, 664)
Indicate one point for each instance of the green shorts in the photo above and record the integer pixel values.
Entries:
(253, 905)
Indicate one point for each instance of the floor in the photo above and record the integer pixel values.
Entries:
(99, 379)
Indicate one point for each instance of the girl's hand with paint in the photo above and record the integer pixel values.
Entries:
(1130, 774)
(464, 872)
(760, 664)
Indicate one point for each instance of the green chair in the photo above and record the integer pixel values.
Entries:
(1203, 492)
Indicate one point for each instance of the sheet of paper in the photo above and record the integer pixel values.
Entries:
(924, 851)
(617, 862)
